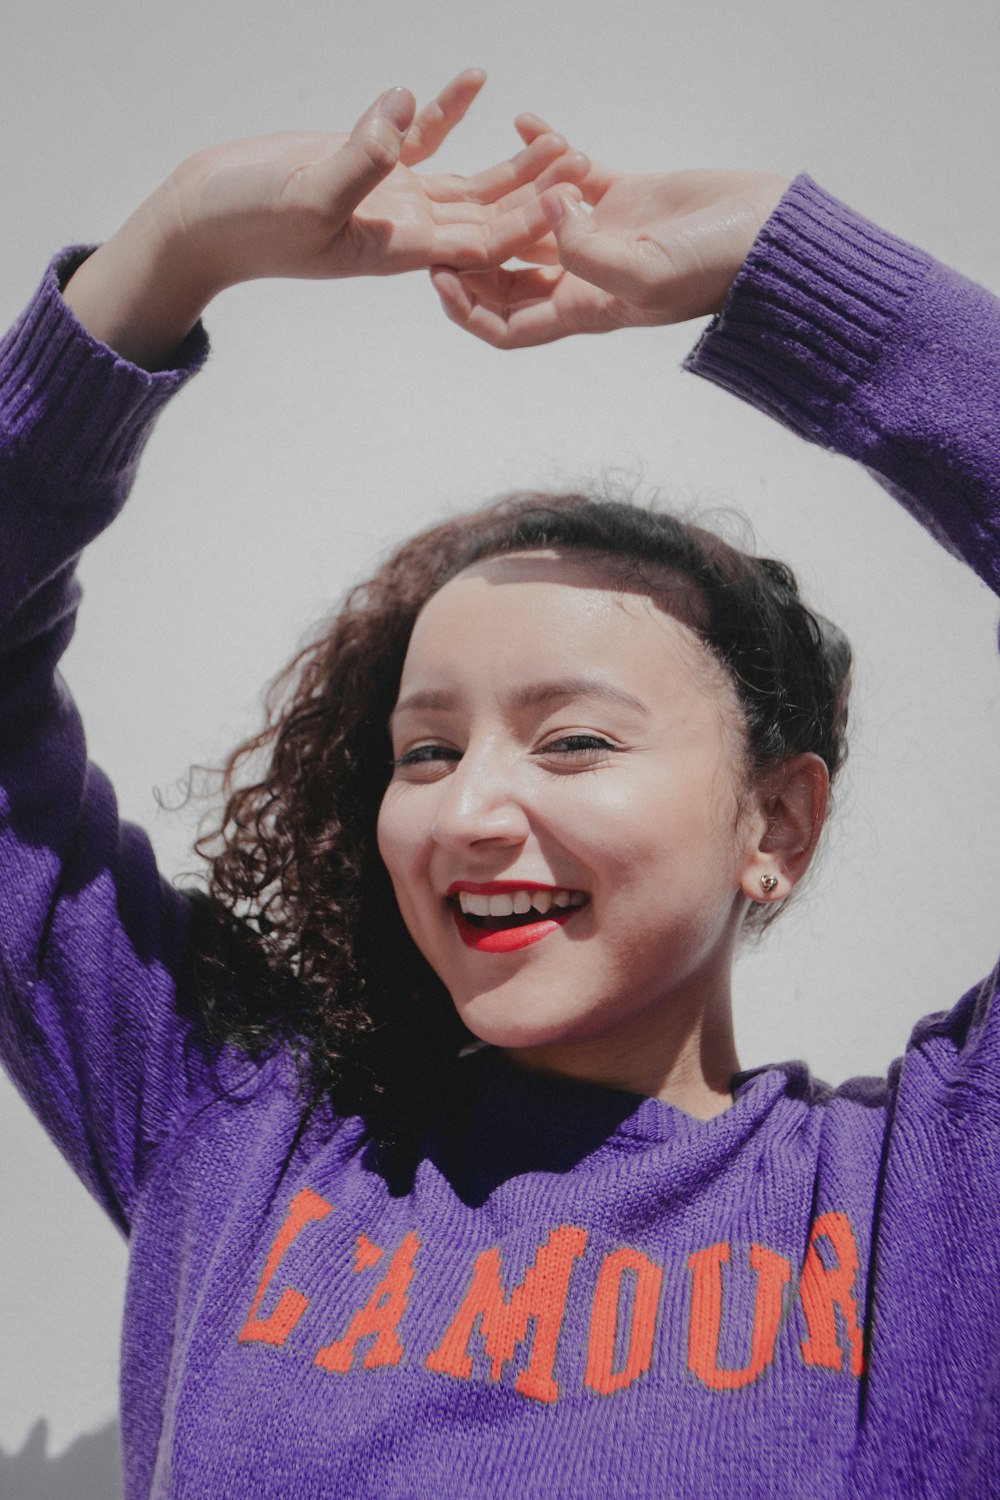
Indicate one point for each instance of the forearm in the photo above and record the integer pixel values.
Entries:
(864, 344)
(142, 292)
(74, 419)
(90, 941)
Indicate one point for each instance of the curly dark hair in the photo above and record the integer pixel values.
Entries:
(300, 912)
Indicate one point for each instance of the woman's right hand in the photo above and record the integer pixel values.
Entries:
(646, 249)
(312, 205)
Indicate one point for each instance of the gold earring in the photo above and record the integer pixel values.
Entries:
(768, 883)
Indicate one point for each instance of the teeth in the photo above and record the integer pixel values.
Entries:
(519, 902)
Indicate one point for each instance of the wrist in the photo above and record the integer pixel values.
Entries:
(143, 290)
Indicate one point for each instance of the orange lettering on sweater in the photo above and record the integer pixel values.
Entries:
(822, 1289)
(380, 1315)
(305, 1208)
(542, 1296)
(366, 1254)
(601, 1375)
(773, 1273)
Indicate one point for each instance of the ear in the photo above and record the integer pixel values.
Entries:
(792, 799)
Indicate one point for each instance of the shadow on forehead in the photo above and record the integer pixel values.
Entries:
(578, 568)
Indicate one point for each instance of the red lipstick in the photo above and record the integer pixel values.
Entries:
(506, 939)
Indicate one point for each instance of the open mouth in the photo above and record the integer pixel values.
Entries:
(500, 922)
(503, 924)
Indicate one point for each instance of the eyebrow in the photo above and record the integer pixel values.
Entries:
(532, 695)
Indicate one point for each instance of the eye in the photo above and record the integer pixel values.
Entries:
(579, 747)
(430, 756)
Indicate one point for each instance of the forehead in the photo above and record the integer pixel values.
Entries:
(615, 577)
(558, 583)
(540, 613)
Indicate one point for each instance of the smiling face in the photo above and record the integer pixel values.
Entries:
(564, 828)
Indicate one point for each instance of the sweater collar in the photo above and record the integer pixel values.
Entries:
(545, 1122)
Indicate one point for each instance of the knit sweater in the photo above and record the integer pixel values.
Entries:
(577, 1292)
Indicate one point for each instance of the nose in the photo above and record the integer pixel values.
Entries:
(481, 803)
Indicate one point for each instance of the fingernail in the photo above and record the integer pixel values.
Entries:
(554, 210)
(397, 106)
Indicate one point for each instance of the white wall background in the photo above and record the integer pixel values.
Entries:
(336, 418)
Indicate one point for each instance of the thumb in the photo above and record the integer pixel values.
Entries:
(370, 151)
(605, 259)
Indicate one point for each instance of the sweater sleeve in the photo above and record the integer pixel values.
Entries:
(860, 343)
(91, 940)
(863, 344)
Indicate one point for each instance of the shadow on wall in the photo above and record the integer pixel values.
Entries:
(90, 1469)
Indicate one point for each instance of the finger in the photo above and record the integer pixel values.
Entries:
(478, 315)
(530, 126)
(523, 329)
(597, 181)
(613, 262)
(345, 178)
(491, 239)
(544, 252)
(503, 178)
(436, 120)
(571, 167)
(503, 289)
(519, 310)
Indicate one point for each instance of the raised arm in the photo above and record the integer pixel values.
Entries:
(93, 945)
(866, 345)
(851, 337)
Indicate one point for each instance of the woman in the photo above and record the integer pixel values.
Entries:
(591, 1258)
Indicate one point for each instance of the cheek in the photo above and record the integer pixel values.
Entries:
(670, 830)
(395, 834)
(404, 838)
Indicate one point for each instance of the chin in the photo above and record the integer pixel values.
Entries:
(502, 1032)
(495, 1020)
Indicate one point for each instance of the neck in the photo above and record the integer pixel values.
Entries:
(682, 1053)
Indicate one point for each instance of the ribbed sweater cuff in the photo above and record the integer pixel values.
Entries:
(95, 407)
(808, 315)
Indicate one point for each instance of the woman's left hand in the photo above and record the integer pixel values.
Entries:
(648, 249)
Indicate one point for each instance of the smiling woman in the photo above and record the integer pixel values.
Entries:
(426, 1124)
(625, 787)
(644, 681)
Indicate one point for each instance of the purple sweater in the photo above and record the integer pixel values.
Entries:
(579, 1293)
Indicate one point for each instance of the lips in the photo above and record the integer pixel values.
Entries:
(507, 939)
(559, 905)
